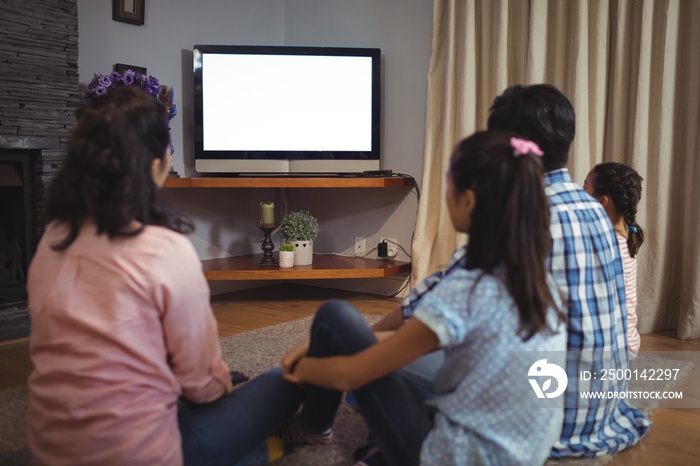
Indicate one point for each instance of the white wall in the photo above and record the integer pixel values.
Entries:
(226, 219)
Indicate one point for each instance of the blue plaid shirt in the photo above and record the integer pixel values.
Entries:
(585, 262)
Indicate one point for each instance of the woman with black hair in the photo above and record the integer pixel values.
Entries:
(127, 367)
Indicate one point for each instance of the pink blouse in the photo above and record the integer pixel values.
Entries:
(120, 329)
(629, 263)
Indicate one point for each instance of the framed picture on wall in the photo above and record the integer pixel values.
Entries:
(129, 11)
(122, 67)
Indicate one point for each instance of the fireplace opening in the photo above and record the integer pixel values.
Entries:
(17, 238)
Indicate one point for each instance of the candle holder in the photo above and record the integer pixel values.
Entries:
(268, 260)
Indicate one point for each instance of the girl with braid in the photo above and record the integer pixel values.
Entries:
(618, 188)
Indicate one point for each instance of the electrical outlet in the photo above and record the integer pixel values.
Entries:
(360, 246)
(392, 247)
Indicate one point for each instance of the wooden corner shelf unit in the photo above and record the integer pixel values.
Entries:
(323, 266)
(289, 182)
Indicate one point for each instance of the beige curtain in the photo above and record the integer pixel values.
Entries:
(632, 70)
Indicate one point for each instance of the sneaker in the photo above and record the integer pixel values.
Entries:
(275, 448)
(293, 433)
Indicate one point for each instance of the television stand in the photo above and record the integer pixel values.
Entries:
(315, 181)
(297, 175)
(323, 266)
(366, 174)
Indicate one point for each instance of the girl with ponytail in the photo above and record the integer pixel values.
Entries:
(619, 188)
(494, 305)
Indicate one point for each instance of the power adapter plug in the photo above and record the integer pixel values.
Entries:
(382, 250)
(386, 251)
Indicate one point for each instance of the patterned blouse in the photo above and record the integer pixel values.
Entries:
(483, 398)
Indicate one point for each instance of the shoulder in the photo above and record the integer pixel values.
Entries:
(624, 247)
(152, 240)
(466, 293)
(573, 213)
(163, 242)
(157, 247)
(164, 236)
(169, 259)
(628, 261)
(474, 283)
(161, 239)
(563, 193)
(462, 303)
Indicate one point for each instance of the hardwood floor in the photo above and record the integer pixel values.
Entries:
(674, 438)
(235, 312)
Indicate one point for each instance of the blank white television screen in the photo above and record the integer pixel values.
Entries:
(286, 102)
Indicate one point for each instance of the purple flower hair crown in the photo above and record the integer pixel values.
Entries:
(102, 83)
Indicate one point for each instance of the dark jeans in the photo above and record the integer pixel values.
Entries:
(420, 374)
(396, 418)
(233, 429)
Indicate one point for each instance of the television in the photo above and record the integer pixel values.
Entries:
(286, 110)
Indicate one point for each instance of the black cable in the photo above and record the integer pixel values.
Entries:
(413, 182)
(415, 186)
(394, 242)
(408, 281)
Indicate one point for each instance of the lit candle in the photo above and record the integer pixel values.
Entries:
(267, 213)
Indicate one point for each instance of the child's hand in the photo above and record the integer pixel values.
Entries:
(292, 375)
(229, 387)
(238, 377)
(293, 356)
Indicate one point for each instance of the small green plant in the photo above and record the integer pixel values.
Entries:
(299, 226)
(286, 247)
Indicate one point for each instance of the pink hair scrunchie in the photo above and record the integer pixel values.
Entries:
(523, 146)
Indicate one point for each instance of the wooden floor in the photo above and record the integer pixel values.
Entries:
(674, 438)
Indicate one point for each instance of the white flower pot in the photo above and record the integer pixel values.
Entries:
(303, 252)
(286, 259)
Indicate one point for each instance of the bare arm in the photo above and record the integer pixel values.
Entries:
(351, 372)
(391, 321)
(294, 355)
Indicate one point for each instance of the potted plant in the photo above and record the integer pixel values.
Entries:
(286, 255)
(300, 228)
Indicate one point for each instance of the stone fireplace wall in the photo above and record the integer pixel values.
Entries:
(38, 78)
(38, 94)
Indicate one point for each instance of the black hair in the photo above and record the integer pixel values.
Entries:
(541, 113)
(623, 185)
(107, 175)
(510, 221)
